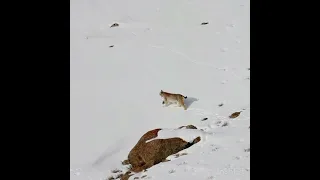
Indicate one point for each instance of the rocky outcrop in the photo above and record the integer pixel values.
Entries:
(147, 154)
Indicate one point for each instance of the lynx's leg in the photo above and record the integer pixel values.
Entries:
(184, 107)
(181, 102)
(165, 101)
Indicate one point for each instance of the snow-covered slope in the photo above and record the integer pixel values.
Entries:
(159, 45)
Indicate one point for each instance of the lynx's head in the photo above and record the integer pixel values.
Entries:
(161, 93)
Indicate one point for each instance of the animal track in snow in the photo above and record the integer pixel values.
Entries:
(183, 163)
(76, 172)
(237, 157)
(203, 112)
(223, 49)
(230, 25)
(224, 82)
(215, 149)
(172, 171)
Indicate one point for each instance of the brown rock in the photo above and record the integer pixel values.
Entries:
(145, 155)
(235, 114)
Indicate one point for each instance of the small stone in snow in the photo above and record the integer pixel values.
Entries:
(204, 119)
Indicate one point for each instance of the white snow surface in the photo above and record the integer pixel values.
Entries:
(160, 45)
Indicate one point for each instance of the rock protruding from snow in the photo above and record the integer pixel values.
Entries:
(147, 153)
(188, 127)
(114, 25)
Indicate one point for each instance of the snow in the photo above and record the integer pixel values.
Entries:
(160, 45)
